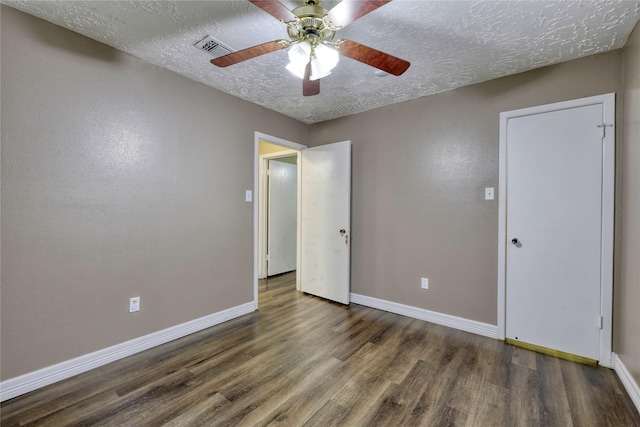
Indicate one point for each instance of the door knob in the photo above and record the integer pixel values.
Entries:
(342, 231)
(516, 242)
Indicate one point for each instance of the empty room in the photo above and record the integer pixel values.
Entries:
(300, 212)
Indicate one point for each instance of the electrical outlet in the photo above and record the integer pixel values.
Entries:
(134, 304)
(489, 193)
(425, 283)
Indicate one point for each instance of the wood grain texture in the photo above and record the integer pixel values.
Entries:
(275, 9)
(370, 56)
(348, 11)
(248, 53)
(309, 87)
(302, 361)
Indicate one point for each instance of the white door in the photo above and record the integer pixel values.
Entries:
(325, 221)
(554, 218)
(282, 216)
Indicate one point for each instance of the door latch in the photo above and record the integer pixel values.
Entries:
(344, 234)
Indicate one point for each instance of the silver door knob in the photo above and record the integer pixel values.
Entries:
(516, 242)
(342, 231)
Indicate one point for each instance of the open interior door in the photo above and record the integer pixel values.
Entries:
(282, 216)
(325, 233)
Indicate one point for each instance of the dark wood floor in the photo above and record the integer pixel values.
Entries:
(302, 361)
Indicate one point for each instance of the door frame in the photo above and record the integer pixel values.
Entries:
(258, 136)
(263, 206)
(608, 188)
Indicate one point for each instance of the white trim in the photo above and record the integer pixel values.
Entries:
(455, 322)
(608, 214)
(502, 227)
(627, 380)
(608, 187)
(34, 380)
(256, 188)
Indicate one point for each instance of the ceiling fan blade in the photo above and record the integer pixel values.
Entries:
(310, 87)
(375, 58)
(248, 53)
(348, 11)
(275, 9)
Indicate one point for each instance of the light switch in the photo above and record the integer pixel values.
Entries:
(488, 193)
(248, 196)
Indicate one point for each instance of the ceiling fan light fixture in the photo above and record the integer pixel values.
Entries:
(296, 69)
(299, 55)
(324, 60)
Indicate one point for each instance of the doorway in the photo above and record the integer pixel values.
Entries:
(556, 227)
(323, 226)
(267, 148)
(278, 185)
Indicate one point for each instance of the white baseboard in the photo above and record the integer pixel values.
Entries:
(455, 322)
(34, 380)
(627, 380)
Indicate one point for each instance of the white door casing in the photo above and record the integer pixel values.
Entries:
(325, 221)
(556, 181)
(282, 217)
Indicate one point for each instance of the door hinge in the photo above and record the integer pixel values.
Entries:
(601, 322)
(603, 129)
(267, 257)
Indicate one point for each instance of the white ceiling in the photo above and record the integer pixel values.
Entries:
(449, 44)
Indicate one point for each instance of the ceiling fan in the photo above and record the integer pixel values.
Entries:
(313, 51)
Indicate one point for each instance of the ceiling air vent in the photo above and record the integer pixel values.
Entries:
(213, 47)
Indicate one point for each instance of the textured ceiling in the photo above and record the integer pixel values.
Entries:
(449, 44)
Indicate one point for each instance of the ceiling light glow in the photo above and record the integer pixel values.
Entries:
(323, 59)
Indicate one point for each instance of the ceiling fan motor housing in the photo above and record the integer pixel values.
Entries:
(312, 25)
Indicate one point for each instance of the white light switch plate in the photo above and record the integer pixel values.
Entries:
(134, 304)
(488, 193)
(248, 196)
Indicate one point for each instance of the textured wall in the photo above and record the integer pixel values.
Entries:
(628, 283)
(118, 179)
(419, 173)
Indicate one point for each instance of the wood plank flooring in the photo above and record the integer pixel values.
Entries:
(303, 361)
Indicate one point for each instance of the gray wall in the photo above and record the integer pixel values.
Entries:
(628, 279)
(118, 179)
(419, 173)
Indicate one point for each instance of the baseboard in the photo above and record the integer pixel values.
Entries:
(34, 380)
(627, 380)
(455, 322)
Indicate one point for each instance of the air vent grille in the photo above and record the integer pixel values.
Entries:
(213, 47)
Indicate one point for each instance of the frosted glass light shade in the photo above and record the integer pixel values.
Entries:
(323, 61)
(296, 69)
(299, 53)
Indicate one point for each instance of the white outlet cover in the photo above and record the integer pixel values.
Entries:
(489, 193)
(134, 304)
(425, 283)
